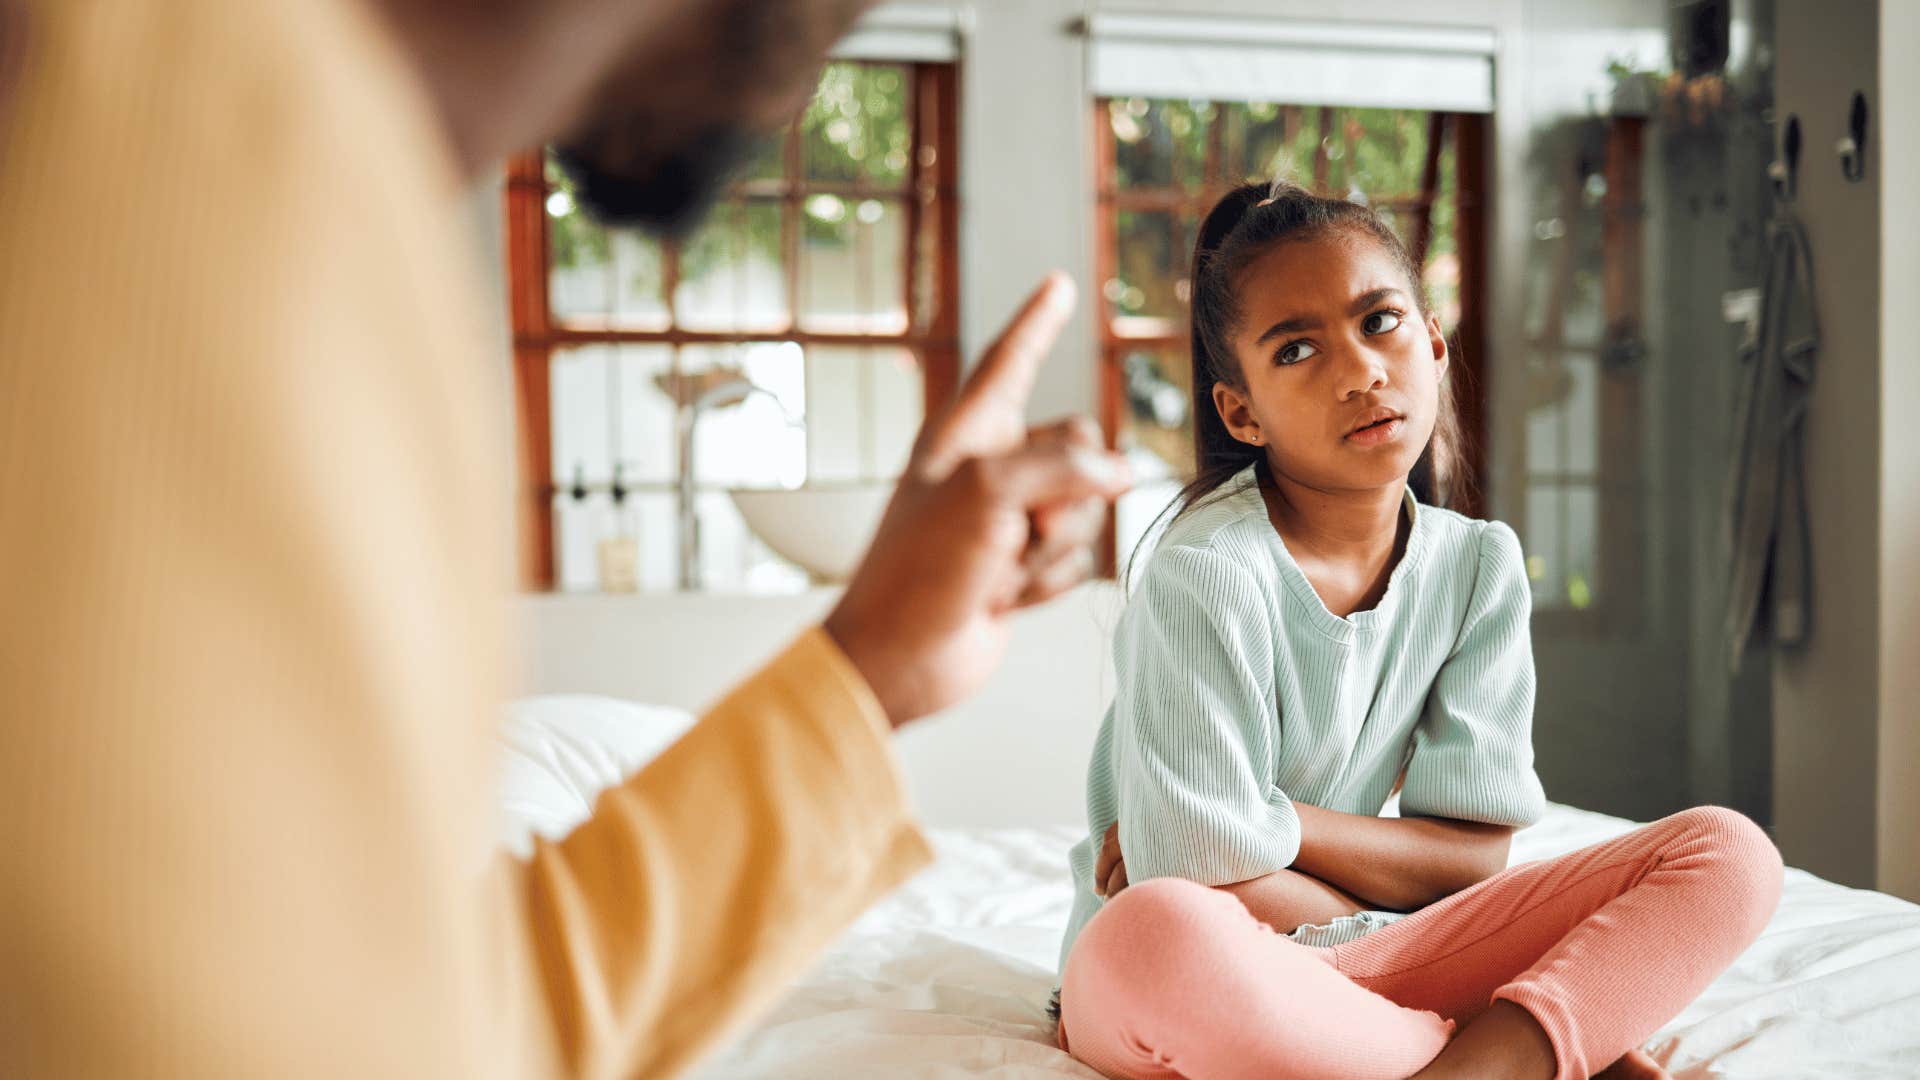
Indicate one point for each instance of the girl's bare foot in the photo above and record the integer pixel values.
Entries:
(1503, 1043)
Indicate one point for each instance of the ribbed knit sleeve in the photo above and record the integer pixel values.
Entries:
(1196, 729)
(1473, 746)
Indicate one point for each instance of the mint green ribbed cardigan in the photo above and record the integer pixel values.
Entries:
(1238, 692)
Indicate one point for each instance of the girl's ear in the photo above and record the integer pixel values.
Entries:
(1439, 342)
(1236, 413)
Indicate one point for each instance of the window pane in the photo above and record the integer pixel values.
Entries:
(864, 407)
(1160, 143)
(1158, 415)
(578, 526)
(583, 279)
(853, 266)
(1149, 294)
(731, 275)
(638, 277)
(612, 405)
(643, 441)
(1443, 247)
(858, 128)
(1143, 157)
(1545, 544)
(1264, 140)
(756, 440)
(1157, 437)
(1548, 387)
(1582, 417)
(1563, 420)
(835, 414)
(582, 438)
(770, 160)
(1583, 540)
(1562, 544)
(1583, 323)
(1375, 152)
(584, 527)
(1189, 125)
(1388, 149)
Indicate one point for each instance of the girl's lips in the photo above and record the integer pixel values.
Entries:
(1377, 434)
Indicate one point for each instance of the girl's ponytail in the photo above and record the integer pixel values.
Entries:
(1217, 455)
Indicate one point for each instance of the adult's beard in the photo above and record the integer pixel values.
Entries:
(667, 196)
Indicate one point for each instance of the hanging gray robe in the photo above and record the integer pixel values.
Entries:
(1766, 509)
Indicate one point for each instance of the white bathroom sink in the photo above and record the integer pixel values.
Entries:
(823, 528)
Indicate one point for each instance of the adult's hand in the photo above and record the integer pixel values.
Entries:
(989, 516)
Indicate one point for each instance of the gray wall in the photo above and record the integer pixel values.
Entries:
(1717, 194)
(1827, 704)
(1898, 135)
(1609, 729)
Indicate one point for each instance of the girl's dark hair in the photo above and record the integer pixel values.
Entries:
(1237, 231)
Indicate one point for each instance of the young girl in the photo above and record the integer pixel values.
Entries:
(1306, 631)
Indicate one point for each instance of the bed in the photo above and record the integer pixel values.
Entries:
(948, 977)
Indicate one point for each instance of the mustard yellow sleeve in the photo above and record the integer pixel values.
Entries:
(252, 571)
(709, 880)
(253, 554)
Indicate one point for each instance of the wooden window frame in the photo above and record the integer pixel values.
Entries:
(1470, 132)
(931, 201)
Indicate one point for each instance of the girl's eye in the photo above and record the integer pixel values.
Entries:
(1381, 322)
(1293, 352)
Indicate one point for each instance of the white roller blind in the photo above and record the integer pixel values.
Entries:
(1297, 63)
(918, 32)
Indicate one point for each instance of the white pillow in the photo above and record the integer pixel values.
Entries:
(561, 750)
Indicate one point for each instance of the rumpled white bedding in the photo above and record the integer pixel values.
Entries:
(949, 977)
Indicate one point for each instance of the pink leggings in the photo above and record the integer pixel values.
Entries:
(1602, 946)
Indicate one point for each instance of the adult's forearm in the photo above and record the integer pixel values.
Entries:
(660, 923)
(1288, 899)
(1398, 864)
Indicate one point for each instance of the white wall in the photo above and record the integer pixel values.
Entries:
(1025, 191)
(1015, 753)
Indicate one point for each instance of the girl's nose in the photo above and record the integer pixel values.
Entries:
(1361, 372)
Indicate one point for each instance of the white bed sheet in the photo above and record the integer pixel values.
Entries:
(949, 977)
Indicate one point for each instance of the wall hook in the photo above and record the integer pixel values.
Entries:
(1785, 169)
(1853, 148)
(579, 482)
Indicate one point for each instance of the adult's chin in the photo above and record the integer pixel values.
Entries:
(669, 195)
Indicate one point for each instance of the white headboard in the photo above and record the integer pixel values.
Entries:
(1014, 754)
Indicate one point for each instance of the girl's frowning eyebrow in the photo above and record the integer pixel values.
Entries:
(1361, 304)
